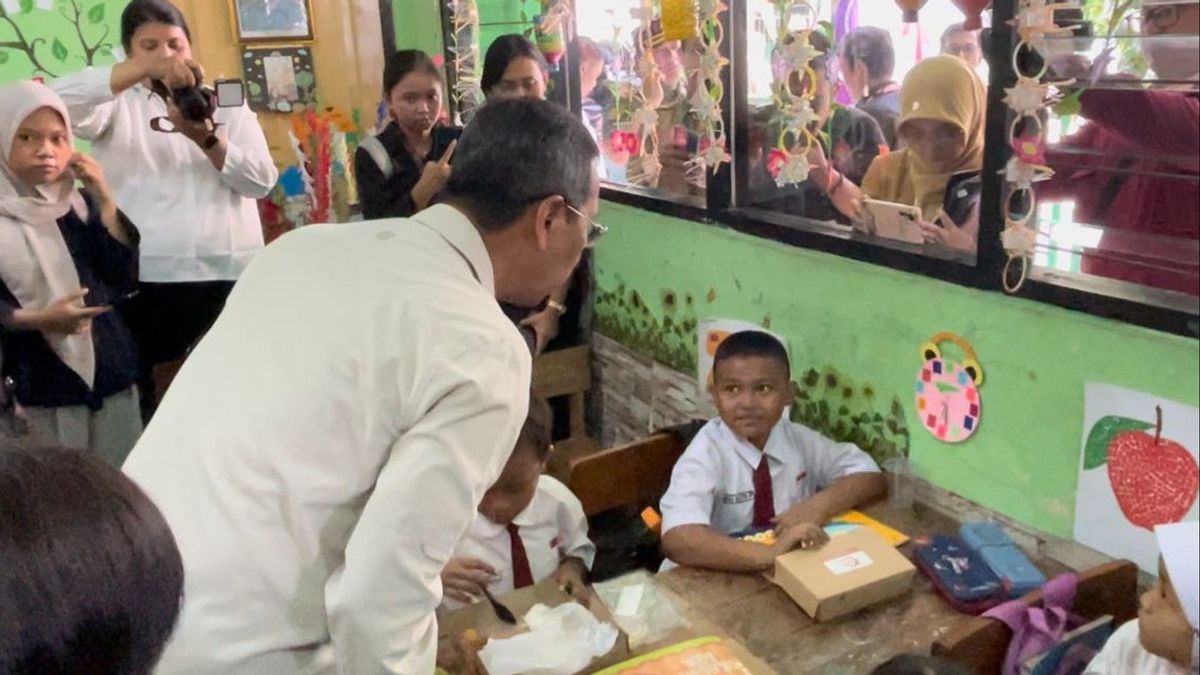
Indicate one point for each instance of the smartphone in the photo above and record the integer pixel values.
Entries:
(442, 138)
(230, 93)
(889, 220)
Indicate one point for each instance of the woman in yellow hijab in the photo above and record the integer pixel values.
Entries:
(942, 109)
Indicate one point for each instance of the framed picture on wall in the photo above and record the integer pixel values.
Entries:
(278, 78)
(272, 20)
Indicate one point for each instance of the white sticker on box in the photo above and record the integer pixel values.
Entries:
(851, 562)
(631, 598)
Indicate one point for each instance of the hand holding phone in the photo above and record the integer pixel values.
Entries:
(889, 220)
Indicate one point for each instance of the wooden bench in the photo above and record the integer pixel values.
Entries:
(567, 373)
(630, 477)
(981, 644)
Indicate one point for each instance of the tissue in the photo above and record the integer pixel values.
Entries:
(560, 641)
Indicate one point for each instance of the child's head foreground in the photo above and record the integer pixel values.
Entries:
(515, 487)
(751, 384)
(1167, 619)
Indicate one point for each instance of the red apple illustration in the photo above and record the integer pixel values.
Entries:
(1155, 480)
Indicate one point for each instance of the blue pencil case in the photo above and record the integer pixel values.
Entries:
(958, 574)
(1018, 575)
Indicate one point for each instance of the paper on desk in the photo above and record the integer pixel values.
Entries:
(560, 641)
(645, 614)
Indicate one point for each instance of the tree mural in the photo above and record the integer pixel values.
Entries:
(49, 38)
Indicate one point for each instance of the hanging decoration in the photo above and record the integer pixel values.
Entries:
(792, 59)
(679, 19)
(550, 31)
(911, 9)
(465, 54)
(972, 11)
(706, 104)
(947, 391)
(644, 116)
(1028, 99)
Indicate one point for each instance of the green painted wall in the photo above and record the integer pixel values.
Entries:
(418, 25)
(48, 38)
(656, 276)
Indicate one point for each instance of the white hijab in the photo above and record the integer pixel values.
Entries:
(29, 227)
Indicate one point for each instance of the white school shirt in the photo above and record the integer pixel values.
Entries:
(1123, 654)
(197, 224)
(552, 528)
(324, 448)
(713, 481)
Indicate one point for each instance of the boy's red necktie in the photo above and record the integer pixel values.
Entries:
(522, 575)
(764, 495)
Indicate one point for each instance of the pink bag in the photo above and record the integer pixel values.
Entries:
(1037, 629)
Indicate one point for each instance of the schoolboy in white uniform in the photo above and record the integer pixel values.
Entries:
(528, 527)
(754, 468)
(1163, 639)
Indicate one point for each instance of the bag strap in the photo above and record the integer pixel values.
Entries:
(380, 154)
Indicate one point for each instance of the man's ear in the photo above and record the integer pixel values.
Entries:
(545, 213)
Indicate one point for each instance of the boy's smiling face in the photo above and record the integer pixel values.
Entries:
(1163, 628)
(750, 393)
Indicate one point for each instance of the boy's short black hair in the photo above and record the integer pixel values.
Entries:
(918, 664)
(537, 434)
(90, 577)
(752, 343)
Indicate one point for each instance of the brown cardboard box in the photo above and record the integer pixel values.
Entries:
(854, 570)
(454, 658)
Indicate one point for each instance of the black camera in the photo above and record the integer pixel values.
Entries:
(198, 103)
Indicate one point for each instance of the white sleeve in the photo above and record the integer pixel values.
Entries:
(829, 460)
(1114, 658)
(572, 525)
(689, 499)
(249, 169)
(381, 602)
(89, 99)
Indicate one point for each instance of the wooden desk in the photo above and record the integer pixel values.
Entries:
(763, 618)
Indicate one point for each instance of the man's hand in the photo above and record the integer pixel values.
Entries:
(464, 578)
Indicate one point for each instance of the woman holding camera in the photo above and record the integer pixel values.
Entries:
(191, 185)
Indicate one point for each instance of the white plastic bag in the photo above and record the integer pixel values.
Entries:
(560, 641)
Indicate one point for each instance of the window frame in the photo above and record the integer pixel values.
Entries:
(985, 275)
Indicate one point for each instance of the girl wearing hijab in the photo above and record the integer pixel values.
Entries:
(1163, 640)
(942, 107)
(65, 257)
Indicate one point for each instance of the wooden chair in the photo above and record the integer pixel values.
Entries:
(567, 373)
(630, 477)
(981, 644)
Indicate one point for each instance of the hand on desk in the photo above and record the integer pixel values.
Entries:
(806, 512)
(800, 535)
(571, 577)
(463, 579)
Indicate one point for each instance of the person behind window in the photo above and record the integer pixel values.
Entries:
(65, 257)
(963, 43)
(514, 68)
(867, 62)
(850, 139)
(91, 580)
(396, 170)
(941, 126)
(1133, 168)
(192, 192)
(596, 101)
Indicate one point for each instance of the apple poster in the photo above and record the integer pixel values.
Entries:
(1138, 468)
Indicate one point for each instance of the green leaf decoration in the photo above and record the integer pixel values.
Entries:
(3, 56)
(1071, 105)
(1095, 450)
(59, 50)
(26, 6)
(96, 13)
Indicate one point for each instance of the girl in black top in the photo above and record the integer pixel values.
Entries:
(398, 172)
(65, 258)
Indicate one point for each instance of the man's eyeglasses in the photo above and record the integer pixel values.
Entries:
(594, 230)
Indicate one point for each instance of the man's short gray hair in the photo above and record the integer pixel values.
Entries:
(516, 152)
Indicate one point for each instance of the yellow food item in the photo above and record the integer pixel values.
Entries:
(767, 537)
